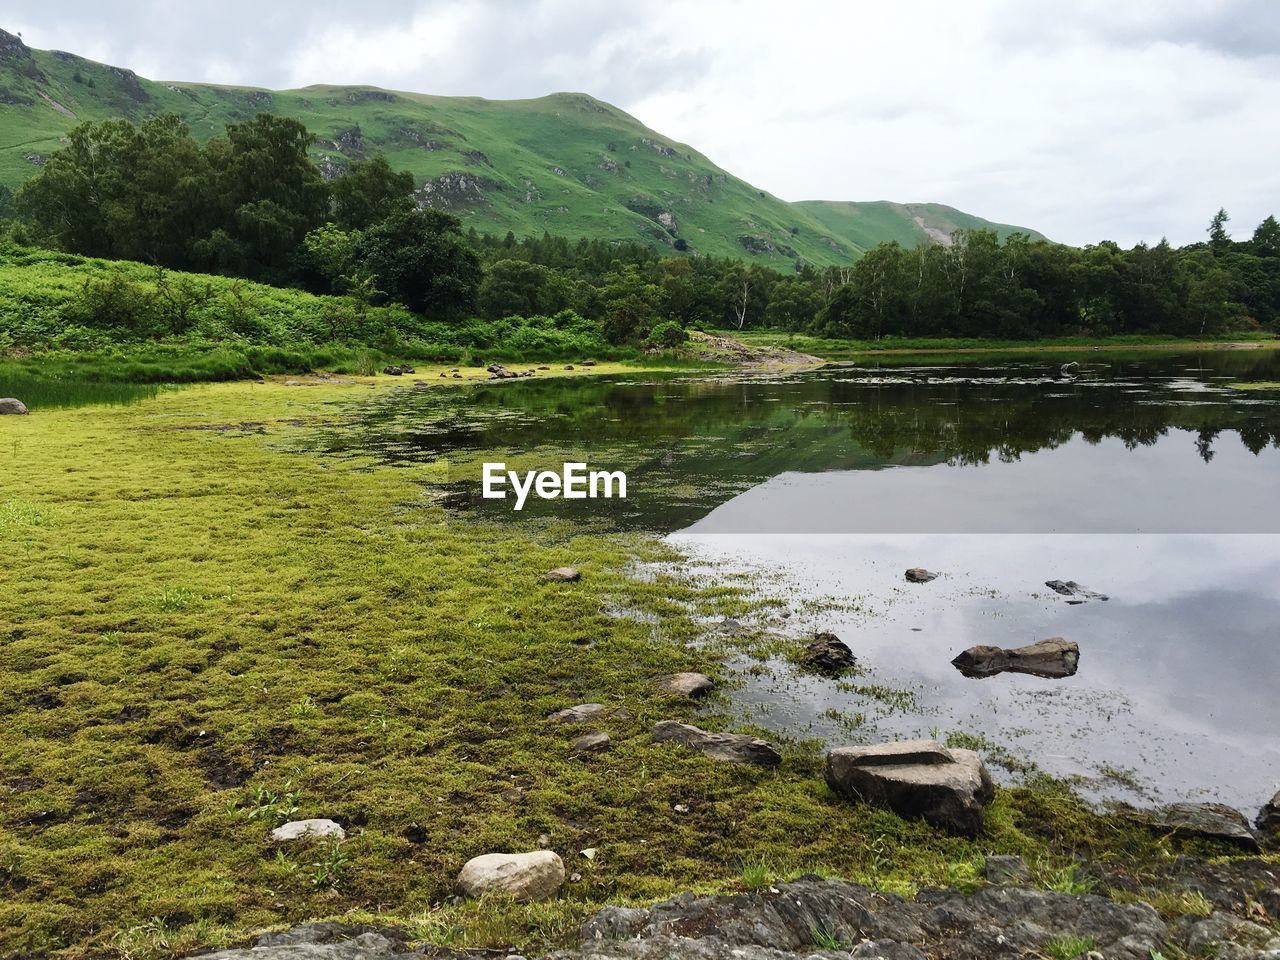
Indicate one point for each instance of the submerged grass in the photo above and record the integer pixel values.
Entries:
(202, 635)
(833, 347)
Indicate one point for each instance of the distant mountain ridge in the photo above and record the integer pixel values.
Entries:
(566, 164)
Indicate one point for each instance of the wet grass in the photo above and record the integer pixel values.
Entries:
(834, 349)
(43, 392)
(202, 635)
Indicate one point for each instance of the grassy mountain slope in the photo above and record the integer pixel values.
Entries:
(566, 163)
(864, 225)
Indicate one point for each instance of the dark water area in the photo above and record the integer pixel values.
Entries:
(1167, 444)
(1153, 479)
(44, 393)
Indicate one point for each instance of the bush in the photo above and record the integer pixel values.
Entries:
(667, 334)
(117, 304)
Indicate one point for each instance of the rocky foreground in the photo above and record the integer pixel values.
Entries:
(812, 917)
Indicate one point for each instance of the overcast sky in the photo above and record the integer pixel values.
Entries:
(1122, 119)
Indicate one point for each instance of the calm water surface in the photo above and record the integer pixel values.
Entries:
(1152, 479)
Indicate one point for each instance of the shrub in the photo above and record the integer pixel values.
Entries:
(668, 334)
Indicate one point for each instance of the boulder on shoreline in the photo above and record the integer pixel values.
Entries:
(691, 685)
(1052, 659)
(1209, 821)
(726, 747)
(1268, 822)
(916, 779)
(920, 575)
(828, 654)
(527, 877)
(12, 406)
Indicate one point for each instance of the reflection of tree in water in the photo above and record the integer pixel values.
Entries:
(722, 435)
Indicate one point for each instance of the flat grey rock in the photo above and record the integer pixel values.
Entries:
(595, 742)
(948, 789)
(726, 747)
(1210, 821)
(318, 829)
(580, 713)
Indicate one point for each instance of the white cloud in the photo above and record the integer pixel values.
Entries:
(1085, 120)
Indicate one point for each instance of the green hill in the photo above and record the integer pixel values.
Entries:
(567, 163)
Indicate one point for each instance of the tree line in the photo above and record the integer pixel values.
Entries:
(253, 204)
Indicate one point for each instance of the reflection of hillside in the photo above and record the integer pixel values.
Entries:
(690, 444)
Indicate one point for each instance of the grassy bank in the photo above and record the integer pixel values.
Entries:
(116, 320)
(829, 349)
(204, 634)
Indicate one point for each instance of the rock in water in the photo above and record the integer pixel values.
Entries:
(307, 830)
(1268, 821)
(562, 575)
(828, 654)
(1074, 591)
(686, 684)
(729, 747)
(916, 778)
(1054, 659)
(1210, 821)
(920, 575)
(12, 405)
(522, 876)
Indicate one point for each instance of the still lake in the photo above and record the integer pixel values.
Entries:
(1153, 478)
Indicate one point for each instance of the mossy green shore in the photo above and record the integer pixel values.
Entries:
(204, 631)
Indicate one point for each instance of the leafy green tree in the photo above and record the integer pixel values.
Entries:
(630, 304)
(1219, 239)
(793, 304)
(269, 195)
(369, 191)
(518, 288)
(420, 258)
(116, 190)
(1266, 238)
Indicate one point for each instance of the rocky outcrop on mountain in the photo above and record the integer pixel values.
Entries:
(456, 189)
